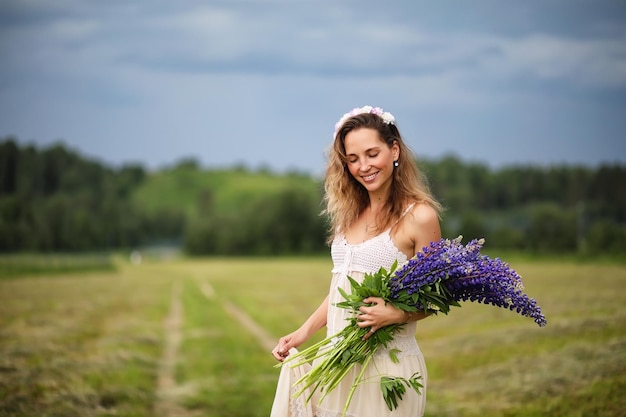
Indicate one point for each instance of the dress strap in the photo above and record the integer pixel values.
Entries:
(406, 210)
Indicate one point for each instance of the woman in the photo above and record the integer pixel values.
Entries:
(380, 212)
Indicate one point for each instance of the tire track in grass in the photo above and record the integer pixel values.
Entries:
(168, 390)
(167, 387)
(266, 340)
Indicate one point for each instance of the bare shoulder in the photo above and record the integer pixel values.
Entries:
(418, 228)
(423, 214)
(423, 225)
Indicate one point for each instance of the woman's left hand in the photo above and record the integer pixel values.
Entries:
(378, 315)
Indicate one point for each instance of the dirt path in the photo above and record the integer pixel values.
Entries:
(168, 390)
(266, 340)
(166, 404)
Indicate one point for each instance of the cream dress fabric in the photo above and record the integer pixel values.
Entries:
(354, 261)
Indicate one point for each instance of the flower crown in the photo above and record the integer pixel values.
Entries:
(386, 116)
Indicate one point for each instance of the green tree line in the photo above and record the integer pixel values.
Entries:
(56, 200)
(543, 209)
(53, 199)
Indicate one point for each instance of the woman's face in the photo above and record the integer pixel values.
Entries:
(370, 160)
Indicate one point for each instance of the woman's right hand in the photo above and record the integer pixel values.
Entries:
(285, 343)
(295, 339)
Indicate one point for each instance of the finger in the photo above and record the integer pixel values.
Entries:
(279, 354)
(372, 300)
(281, 350)
(364, 323)
(369, 333)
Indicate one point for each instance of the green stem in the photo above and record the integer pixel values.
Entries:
(357, 381)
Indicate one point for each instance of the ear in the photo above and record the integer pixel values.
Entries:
(395, 150)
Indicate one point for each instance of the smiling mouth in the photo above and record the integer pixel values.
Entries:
(369, 178)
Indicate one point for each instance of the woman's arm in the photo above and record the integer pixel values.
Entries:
(418, 229)
(422, 227)
(315, 322)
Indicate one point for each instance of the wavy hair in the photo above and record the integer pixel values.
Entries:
(345, 198)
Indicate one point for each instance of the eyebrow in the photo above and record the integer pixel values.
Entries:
(374, 148)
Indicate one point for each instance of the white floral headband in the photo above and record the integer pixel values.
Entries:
(386, 116)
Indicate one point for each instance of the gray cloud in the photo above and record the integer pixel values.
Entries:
(120, 79)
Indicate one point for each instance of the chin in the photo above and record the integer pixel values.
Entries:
(371, 186)
(376, 185)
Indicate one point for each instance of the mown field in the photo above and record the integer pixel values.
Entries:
(160, 339)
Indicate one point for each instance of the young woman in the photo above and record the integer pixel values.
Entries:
(380, 211)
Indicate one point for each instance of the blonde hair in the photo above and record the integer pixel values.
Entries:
(345, 198)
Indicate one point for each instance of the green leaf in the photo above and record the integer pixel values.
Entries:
(394, 388)
(393, 354)
(413, 381)
(394, 265)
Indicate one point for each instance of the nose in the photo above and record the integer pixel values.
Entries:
(364, 166)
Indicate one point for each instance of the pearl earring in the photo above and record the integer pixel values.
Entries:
(396, 163)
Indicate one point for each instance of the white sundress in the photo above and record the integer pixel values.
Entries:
(355, 260)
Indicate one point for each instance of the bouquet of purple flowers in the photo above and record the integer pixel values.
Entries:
(441, 276)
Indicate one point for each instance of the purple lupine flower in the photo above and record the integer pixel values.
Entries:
(452, 272)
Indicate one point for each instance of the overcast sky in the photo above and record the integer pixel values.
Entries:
(263, 82)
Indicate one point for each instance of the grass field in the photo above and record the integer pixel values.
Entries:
(161, 339)
(14, 265)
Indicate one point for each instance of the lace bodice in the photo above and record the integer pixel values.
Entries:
(365, 257)
(368, 256)
(355, 260)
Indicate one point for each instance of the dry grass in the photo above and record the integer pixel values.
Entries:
(82, 345)
(91, 344)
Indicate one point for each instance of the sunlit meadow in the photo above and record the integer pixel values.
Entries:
(98, 342)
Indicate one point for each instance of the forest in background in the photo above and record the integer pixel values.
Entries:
(53, 199)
